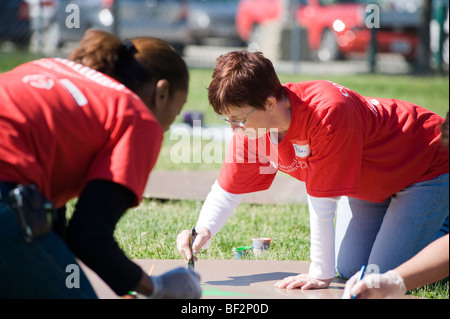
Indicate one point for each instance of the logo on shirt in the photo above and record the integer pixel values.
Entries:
(39, 81)
(75, 92)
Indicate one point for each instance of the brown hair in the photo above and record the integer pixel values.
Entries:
(133, 62)
(242, 78)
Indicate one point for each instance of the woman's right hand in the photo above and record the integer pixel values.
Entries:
(203, 235)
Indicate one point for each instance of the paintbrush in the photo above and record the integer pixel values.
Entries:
(190, 265)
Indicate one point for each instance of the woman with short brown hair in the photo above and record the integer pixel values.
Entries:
(375, 163)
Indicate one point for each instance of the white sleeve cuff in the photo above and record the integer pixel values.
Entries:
(217, 209)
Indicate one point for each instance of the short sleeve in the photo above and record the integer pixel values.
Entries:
(130, 154)
(245, 170)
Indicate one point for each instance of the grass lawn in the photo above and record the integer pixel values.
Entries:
(150, 230)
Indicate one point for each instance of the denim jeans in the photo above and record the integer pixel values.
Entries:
(385, 235)
(45, 268)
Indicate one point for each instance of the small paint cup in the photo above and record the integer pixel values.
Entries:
(241, 252)
(260, 244)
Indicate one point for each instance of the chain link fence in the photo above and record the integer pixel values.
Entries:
(306, 35)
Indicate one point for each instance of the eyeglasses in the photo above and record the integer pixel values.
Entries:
(237, 123)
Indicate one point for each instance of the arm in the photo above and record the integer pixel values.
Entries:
(217, 209)
(322, 268)
(90, 236)
(428, 266)
(321, 214)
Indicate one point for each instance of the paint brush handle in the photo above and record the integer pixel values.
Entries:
(190, 264)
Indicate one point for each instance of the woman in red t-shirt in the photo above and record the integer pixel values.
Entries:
(89, 127)
(375, 162)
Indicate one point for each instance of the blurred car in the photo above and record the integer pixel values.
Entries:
(165, 19)
(336, 28)
(213, 20)
(15, 21)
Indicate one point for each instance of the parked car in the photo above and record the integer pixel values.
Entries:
(165, 19)
(15, 21)
(213, 20)
(335, 28)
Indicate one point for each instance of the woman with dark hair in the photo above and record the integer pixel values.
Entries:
(375, 163)
(91, 127)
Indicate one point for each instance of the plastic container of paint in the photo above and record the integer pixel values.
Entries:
(260, 244)
(241, 252)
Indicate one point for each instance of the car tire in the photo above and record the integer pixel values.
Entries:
(328, 50)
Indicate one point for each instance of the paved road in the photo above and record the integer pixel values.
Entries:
(195, 185)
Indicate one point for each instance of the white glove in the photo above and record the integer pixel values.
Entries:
(375, 286)
(179, 283)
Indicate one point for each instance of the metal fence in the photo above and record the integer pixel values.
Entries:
(302, 35)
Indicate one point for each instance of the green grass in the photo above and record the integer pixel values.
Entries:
(9, 60)
(150, 230)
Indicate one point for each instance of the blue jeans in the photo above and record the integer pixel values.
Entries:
(385, 235)
(45, 268)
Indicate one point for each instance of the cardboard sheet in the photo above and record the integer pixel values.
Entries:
(236, 279)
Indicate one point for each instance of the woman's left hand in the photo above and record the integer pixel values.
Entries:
(303, 281)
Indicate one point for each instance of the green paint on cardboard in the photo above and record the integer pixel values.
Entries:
(213, 291)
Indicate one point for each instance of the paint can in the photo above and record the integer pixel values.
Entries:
(241, 252)
(260, 244)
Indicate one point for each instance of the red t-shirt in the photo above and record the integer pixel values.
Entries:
(341, 144)
(63, 124)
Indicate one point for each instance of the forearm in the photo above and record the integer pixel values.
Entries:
(218, 208)
(90, 235)
(322, 212)
(429, 265)
(107, 260)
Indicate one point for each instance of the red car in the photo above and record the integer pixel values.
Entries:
(335, 28)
